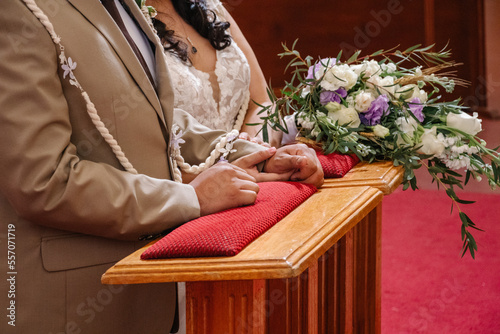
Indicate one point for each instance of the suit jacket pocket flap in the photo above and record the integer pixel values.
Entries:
(77, 251)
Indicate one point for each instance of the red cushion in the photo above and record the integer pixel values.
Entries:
(336, 164)
(226, 233)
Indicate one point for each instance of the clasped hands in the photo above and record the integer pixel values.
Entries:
(228, 185)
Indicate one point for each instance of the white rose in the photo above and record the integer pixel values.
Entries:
(344, 116)
(431, 145)
(383, 85)
(332, 106)
(464, 122)
(339, 76)
(363, 101)
(407, 125)
(380, 131)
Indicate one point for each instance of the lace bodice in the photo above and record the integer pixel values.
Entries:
(194, 90)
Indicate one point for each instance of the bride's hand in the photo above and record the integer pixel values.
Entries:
(300, 160)
(246, 136)
(249, 164)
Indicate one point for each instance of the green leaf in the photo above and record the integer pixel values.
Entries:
(461, 201)
(464, 218)
(265, 134)
(376, 53)
(410, 49)
(339, 56)
(467, 177)
(354, 57)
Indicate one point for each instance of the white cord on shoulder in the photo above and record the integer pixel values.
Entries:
(222, 149)
(68, 65)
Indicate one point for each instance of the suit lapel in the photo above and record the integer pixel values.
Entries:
(164, 85)
(163, 82)
(98, 16)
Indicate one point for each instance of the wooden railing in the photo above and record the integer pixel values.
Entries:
(316, 271)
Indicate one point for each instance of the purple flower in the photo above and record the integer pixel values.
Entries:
(319, 66)
(416, 108)
(378, 108)
(329, 96)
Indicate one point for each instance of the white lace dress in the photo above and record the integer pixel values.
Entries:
(194, 90)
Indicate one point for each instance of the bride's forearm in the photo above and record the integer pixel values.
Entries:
(253, 117)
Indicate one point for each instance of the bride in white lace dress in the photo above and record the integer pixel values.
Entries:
(215, 74)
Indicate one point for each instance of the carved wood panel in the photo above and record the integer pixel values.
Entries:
(339, 294)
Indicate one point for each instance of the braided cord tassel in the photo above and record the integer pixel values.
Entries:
(223, 148)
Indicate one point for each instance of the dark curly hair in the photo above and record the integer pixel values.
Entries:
(203, 20)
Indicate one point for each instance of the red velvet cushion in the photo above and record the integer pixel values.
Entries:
(336, 164)
(226, 233)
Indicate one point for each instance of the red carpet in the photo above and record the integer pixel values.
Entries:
(426, 286)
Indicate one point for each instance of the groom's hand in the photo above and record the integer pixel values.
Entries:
(299, 160)
(224, 186)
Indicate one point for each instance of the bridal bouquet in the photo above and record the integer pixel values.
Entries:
(387, 106)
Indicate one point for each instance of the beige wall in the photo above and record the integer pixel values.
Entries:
(492, 31)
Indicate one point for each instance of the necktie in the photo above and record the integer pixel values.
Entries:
(115, 14)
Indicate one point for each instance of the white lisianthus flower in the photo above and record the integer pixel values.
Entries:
(384, 85)
(305, 91)
(432, 143)
(363, 101)
(315, 132)
(368, 68)
(305, 122)
(464, 122)
(358, 68)
(339, 76)
(350, 101)
(405, 92)
(372, 68)
(407, 125)
(345, 116)
(380, 131)
(418, 93)
(388, 68)
(418, 71)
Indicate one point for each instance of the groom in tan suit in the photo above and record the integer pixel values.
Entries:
(68, 209)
